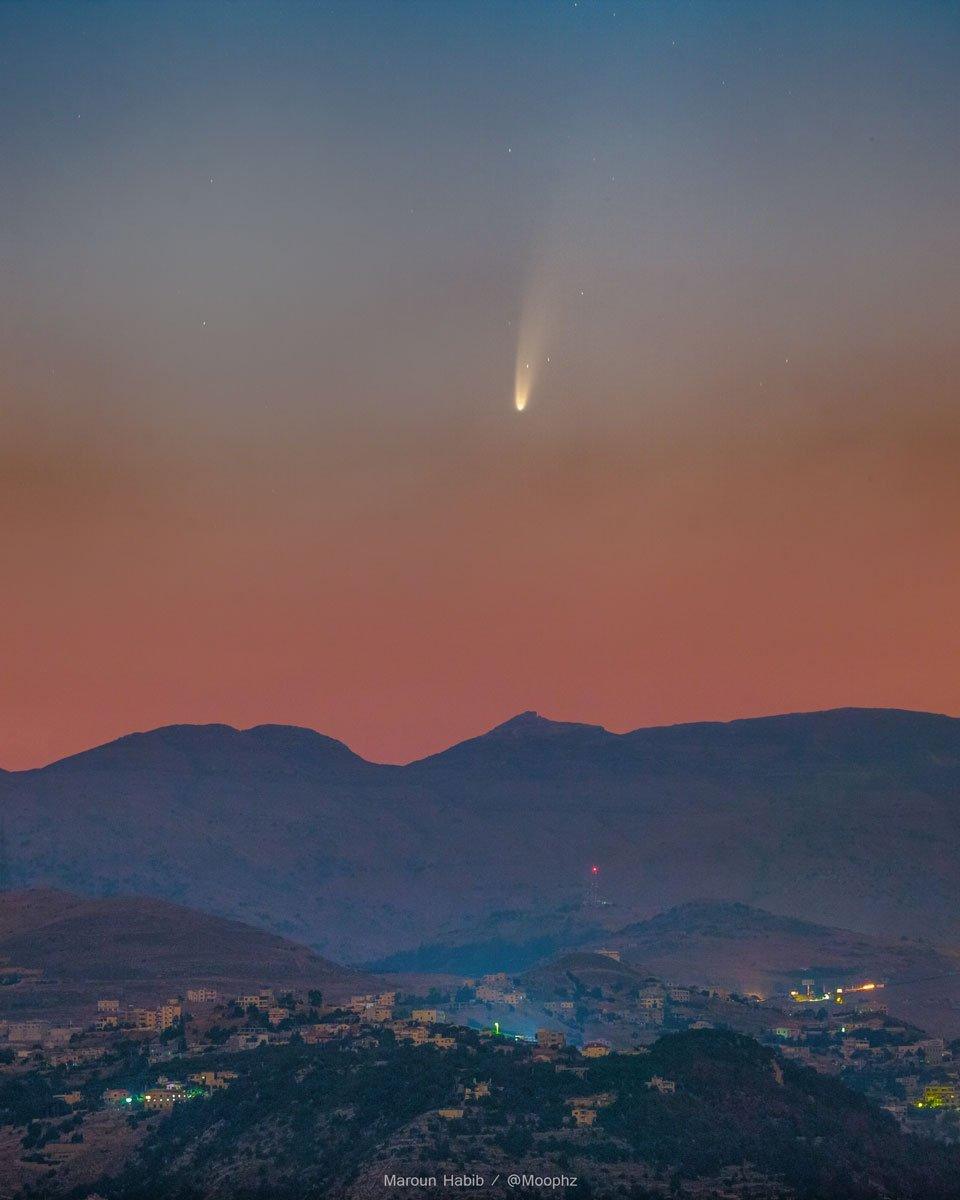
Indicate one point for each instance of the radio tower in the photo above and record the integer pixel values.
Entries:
(593, 888)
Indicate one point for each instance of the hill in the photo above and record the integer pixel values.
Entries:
(845, 818)
(748, 950)
(81, 947)
(738, 1124)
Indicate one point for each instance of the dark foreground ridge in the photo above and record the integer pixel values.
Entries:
(706, 1113)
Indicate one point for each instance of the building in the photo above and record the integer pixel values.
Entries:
(213, 1080)
(666, 1087)
(594, 1049)
(59, 1035)
(276, 1015)
(550, 1039)
(145, 1018)
(444, 1043)
(596, 1100)
(477, 1090)
(939, 1095)
(584, 1116)
(614, 954)
(159, 1098)
(168, 1014)
(73, 1056)
(158, 1052)
(117, 1096)
(247, 1041)
(202, 995)
(108, 1006)
(28, 1032)
(314, 1035)
(429, 1016)
(451, 1114)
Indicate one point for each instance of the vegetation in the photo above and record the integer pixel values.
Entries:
(308, 1122)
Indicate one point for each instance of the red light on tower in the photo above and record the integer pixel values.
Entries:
(593, 887)
(594, 870)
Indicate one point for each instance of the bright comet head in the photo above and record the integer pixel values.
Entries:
(522, 383)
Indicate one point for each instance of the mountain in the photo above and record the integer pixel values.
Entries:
(848, 818)
(68, 947)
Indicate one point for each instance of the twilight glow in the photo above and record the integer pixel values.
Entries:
(268, 273)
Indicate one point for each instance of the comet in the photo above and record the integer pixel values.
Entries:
(522, 383)
(533, 328)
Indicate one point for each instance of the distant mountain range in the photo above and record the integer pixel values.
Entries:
(847, 818)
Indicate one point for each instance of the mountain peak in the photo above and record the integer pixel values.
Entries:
(531, 724)
(209, 748)
(528, 737)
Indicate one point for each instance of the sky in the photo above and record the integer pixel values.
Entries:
(272, 275)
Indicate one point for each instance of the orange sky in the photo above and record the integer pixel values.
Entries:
(258, 455)
(608, 576)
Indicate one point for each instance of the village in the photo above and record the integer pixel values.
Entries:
(916, 1078)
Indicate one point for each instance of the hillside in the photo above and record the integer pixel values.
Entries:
(746, 950)
(750, 952)
(356, 1116)
(84, 946)
(845, 818)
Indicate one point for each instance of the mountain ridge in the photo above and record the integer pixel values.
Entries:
(832, 816)
(528, 723)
